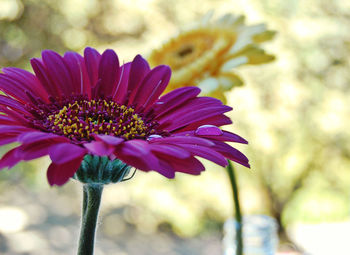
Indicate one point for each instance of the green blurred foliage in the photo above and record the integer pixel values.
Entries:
(294, 112)
(27, 27)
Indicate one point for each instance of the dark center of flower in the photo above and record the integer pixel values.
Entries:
(79, 118)
(187, 50)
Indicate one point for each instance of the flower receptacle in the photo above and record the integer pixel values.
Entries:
(101, 170)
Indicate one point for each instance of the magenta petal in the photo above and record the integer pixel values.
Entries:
(164, 164)
(112, 140)
(137, 153)
(18, 117)
(80, 79)
(227, 136)
(58, 71)
(65, 152)
(121, 89)
(13, 104)
(29, 81)
(152, 86)
(24, 152)
(231, 153)
(231, 137)
(10, 159)
(6, 120)
(190, 165)
(96, 91)
(167, 172)
(8, 139)
(136, 147)
(99, 148)
(138, 70)
(107, 72)
(17, 82)
(219, 120)
(135, 161)
(41, 74)
(13, 129)
(33, 150)
(205, 152)
(174, 99)
(170, 150)
(183, 140)
(189, 116)
(13, 88)
(92, 59)
(36, 136)
(59, 174)
(193, 105)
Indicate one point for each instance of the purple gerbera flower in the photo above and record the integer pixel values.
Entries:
(74, 106)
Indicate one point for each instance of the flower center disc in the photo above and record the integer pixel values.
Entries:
(81, 118)
(188, 49)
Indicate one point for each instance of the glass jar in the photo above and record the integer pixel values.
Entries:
(259, 235)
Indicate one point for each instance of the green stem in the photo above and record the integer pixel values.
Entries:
(85, 201)
(238, 214)
(91, 204)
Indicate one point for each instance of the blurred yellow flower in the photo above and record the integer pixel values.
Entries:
(205, 54)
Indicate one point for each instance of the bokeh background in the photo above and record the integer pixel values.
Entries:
(294, 112)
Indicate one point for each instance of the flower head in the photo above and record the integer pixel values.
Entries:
(205, 54)
(76, 105)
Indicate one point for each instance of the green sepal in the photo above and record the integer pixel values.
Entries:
(101, 170)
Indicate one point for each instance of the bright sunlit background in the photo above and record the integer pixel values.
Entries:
(294, 112)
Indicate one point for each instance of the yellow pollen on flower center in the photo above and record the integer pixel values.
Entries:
(79, 120)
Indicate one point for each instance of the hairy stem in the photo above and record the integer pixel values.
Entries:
(91, 204)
